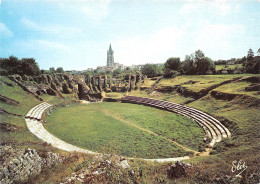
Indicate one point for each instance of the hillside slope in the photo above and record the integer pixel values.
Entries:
(235, 103)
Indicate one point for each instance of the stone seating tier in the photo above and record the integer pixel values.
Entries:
(212, 127)
(37, 111)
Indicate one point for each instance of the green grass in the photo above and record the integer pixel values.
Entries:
(232, 67)
(22, 137)
(105, 126)
(114, 95)
(238, 88)
(243, 122)
(201, 81)
(240, 117)
(148, 83)
(56, 100)
(27, 101)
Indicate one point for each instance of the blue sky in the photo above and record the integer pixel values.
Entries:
(76, 34)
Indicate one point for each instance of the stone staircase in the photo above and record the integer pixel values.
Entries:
(37, 111)
(211, 126)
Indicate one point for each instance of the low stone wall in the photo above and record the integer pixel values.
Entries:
(18, 165)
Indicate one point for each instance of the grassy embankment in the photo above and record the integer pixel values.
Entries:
(22, 137)
(125, 129)
(232, 67)
(240, 115)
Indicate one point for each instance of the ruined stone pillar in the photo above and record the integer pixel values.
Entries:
(134, 79)
(93, 83)
(109, 83)
(129, 82)
(99, 83)
(105, 83)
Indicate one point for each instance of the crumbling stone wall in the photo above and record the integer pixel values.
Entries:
(18, 165)
(84, 86)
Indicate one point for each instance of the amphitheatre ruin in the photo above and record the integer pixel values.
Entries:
(92, 125)
(66, 108)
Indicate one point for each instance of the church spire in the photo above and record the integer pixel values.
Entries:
(110, 48)
(110, 57)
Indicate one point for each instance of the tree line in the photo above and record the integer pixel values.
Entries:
(198, 64)
(194, 64)
(24, 66)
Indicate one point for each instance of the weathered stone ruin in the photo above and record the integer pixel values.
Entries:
(18, 165)
(85, 86)
(178, 170)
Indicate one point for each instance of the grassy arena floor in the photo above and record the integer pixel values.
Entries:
(125, 129)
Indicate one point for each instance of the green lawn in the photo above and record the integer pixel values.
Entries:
(226, 67)
(148, 83)
(199, 82)
(114, 95)
(27, 101)
(238, 88)
(124, 129)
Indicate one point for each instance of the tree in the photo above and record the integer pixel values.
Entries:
(52, 70)
(173, 63)
(188, 65)
(250, 55)
(108, 72)
(149, 70)
(203, 64)
(258, 52)
(251, 63)
(30, 67)
(59, 70)
(116, 73)
(25, 66)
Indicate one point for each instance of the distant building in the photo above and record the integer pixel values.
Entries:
(118, 66)
(90, 69)
(110, 57)
(137, 67)
(101, 69)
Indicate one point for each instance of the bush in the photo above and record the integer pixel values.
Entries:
(150, 70)
(25, 66)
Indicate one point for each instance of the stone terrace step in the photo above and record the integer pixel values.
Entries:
(197, 115)
(37, 111)
(212, 127)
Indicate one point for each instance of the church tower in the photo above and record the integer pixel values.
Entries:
(110, 57)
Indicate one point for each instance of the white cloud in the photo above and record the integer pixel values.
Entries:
(154, 48)
(215, 40)
(218, 39)
(95, 10)
(42, 46)
(219, 7)
(60, 31)
(52, 45)
(222, 6)
(4, 31)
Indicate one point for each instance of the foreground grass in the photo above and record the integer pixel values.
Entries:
(95, 127)
(240, 116)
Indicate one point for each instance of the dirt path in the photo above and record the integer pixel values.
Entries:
(119, 118)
